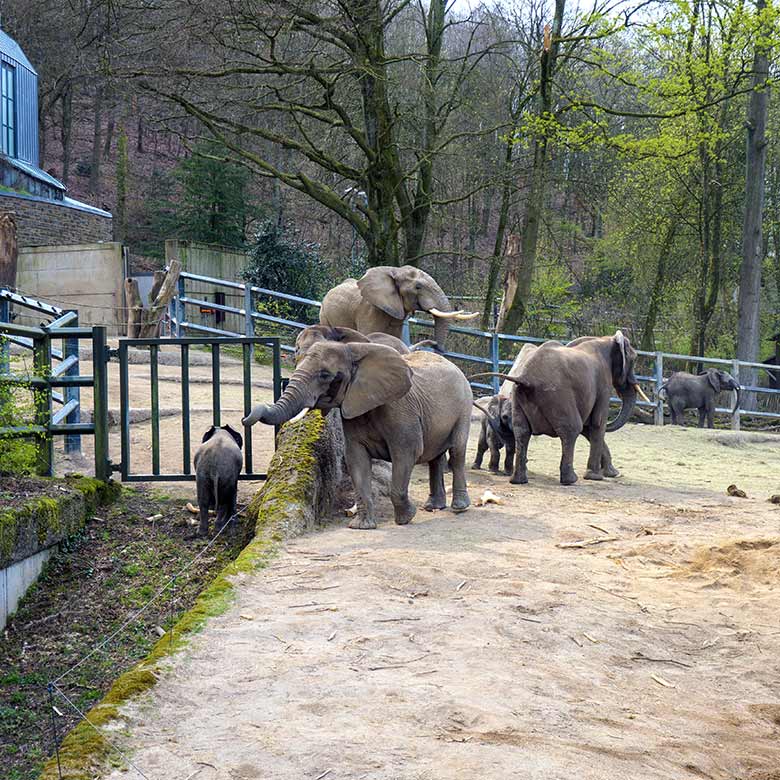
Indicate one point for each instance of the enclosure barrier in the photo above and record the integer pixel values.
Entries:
(491, 361)
(46, 424)
(68, 356)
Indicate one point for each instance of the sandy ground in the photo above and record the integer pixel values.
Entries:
(474, 646)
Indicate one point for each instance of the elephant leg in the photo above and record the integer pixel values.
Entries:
(702, 415)
(495, 453)
(607, 468)
(522, 437)
(568, 440)
(595, 435)
(359, 465)
(510, 457)
(460, 494)
(481, 449)
(679, 412)
(438, 496)
(403, 463)
(711, 414)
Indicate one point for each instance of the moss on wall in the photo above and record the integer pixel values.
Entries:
(276, 510)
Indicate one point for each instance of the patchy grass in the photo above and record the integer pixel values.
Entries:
(112, 567)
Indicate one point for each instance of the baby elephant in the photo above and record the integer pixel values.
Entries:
(686, 391)
(218, 463)
(497, 432)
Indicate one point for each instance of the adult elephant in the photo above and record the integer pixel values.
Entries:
(564, 392)
(407, 409)
(697, 391)
(384, 297)
(315, 334)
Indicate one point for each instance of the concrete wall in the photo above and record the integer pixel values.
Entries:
(87, 277)
(42, 222)
(215, 261)
(16, 579)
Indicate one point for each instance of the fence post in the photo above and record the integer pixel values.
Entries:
(70, 346)
(5, 349)
(494, 356)
(249, 323)
(44, 441)
(735, 418)
(405, 336)
(100, 394)
(659, 380)
(179, 306)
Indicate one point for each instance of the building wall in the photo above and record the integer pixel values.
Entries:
(87, 277)
(218, 262)
(44, 223)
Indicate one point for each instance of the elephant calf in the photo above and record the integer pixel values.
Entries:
(496, 433)
(688, 391)
(218, 463)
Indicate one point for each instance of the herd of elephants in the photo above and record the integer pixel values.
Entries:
(412, 405)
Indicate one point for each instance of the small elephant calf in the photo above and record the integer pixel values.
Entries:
(497, 432)
(218, 463)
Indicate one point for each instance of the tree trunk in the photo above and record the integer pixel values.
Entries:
(648, 332)
(9, 251)
(749, 323)
(109, 138)
(134, 307)
(97, 129)
(514, 308)
(513, 250)
(65, 131)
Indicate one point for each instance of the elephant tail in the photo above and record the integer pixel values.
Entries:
(516, 379)
(493, 422)
(662, 390)
(426, 344)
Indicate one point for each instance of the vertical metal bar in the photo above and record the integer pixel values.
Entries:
(659, 380)
(494, 355)
(249, 323)
(405, 335)
(215, 401)
(736, 417)
(70, 346)
(185, 408)
(155, 391)
(42, 395)
(124, 409)
(277, 361)
(100, 402)
(247, 349)
(50, 689)
(5, 353)
(179, 307)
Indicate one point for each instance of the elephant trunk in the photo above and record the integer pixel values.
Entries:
(736, 389)
(628, 397)
(294, 399)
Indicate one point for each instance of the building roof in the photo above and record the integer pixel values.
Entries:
(13, 50)
(36, 172)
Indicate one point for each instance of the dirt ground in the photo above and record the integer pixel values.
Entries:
(475, 646)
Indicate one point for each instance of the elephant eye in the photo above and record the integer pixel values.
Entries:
(325, 374)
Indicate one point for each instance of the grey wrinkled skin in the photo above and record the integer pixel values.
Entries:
(406, 409)
(496, 433)
(382, 299)
(314, 334)
(690, 391)
(218, 462)
(563, 392)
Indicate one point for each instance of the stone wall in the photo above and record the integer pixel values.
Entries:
(44, 222)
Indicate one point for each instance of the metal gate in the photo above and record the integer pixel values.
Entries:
(215, 345)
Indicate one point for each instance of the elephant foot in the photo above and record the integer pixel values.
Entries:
(611, 471)
(519, 479)
(476, 466)
(460, 501)
(508, 471)
(404, 514)
(435, 502)
(568, 478)
(494, 470)
(362, 523)
(596, 475)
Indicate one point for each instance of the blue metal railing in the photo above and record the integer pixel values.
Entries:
(490, 361)
(62, 321)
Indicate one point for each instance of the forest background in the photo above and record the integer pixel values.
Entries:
(565, 168)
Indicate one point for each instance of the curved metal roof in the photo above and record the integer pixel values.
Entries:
(13, 50)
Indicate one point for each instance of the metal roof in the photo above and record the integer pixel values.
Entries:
(13, 50)
(36, 172)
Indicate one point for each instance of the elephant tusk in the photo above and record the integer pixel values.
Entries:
(300, 414)
(642, 393)
(465, 315)
(445, 315)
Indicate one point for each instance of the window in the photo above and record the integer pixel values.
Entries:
(8, 110)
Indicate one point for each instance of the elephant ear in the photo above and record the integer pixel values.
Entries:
(348, 336)
(379, 375)
(209, 433)
(237, 438)
(623, 356)
(714, 379)
(378, 288)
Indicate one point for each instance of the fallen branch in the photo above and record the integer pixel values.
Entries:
(587, 542)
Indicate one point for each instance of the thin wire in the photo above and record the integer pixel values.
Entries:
(102, 735)
(151, 601)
